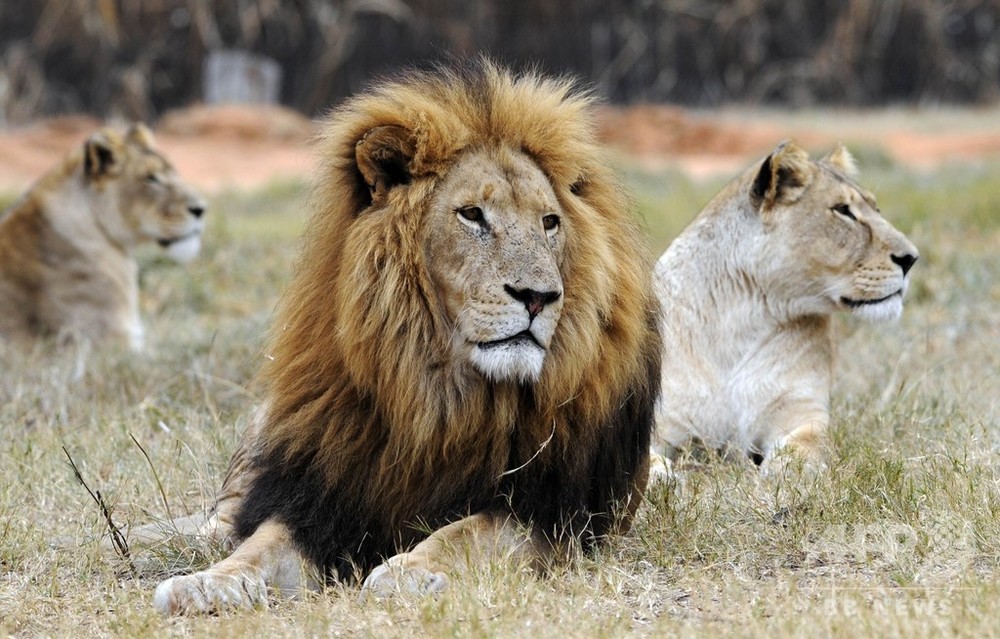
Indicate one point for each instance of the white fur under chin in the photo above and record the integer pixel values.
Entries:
(887, 311)
(521, 362)
(185, 250)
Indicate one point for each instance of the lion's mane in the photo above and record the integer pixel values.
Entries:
(371, 434)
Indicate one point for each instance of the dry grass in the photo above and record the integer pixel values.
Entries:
(899, 538)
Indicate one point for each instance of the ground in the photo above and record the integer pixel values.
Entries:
(900, 536)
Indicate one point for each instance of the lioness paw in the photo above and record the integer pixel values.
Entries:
(206, 593)
(390, 579)
(789, 465)
(661, 469)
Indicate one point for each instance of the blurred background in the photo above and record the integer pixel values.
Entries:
(703, 85)
(138, 58)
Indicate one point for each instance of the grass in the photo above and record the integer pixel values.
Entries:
(899, 538)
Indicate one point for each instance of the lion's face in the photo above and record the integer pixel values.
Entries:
(152, 202)
(495, 238)
(834, 248)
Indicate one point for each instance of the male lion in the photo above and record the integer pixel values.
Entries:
(747, 293)
(66, 264)
(469, 346)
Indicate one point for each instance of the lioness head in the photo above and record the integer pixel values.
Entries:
(826, 246)
(143, 197)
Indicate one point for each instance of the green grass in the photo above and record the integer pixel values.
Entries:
(900, 537)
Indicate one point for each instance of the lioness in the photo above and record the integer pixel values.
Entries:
(747, 292)
(66, 264)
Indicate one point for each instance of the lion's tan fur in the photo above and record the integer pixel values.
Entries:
(748, 289)
(66, 264)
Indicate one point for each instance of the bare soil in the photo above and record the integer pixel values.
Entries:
(708, 143)
(240, 147)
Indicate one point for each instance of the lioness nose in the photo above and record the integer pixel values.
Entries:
(533, 300)
(196, 209)
(904, 261)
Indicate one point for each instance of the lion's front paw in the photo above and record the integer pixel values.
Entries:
(205, 592)
(392, 578)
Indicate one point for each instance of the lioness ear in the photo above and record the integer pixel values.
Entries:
(783, 177)
(383, 156)
(842, 159)
(99, 156)
(140, 134)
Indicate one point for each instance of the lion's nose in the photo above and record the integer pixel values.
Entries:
(905, 261)
(196, 209)
(533, 300)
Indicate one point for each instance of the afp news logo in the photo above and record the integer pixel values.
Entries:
(884, 602)
(942, 547)
(943, 542)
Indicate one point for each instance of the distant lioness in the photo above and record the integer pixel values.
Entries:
(747, 293)
(66, 265)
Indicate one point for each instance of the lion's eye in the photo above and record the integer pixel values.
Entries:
(550, 222)
(152, 178)
(471, 213)
(845, 210)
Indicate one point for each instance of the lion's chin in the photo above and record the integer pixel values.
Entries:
(185, 249)
(886, 309)
(520, 361)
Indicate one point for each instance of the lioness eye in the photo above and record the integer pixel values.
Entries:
(550, 222)
(152, 178)
(844, 210)
(471, 213)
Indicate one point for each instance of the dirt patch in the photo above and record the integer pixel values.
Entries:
(238, 147)
(240, 123)
(222, 147)
(214, 148)
(654, 130)
(707, 143)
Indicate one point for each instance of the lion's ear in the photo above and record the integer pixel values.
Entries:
(100, 156)
(841, 158)
(783, 177)
(383, 156)
(140, 134)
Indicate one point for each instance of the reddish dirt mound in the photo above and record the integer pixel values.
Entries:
(213, 147)
(221, 147)
(706, 143)
(653, 130)
(272, 123)
(28, 153)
